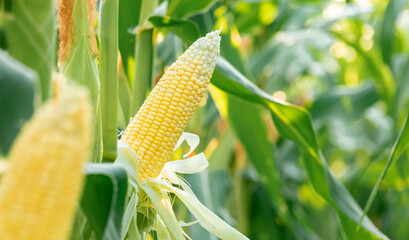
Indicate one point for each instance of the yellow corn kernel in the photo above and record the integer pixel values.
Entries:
(190, 74)
(39, 193)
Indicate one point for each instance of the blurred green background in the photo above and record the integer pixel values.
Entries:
(275, 168)
(347, 63)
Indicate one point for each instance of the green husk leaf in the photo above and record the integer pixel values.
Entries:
(30, 34)
(78, 59)
(79, 63)
(17, 88)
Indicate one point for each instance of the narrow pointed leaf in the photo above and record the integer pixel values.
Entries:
(103, 199)
(17, 87)
(401, 144)
(295, 123)
(30, 35)
(128, 17)
(185, 29)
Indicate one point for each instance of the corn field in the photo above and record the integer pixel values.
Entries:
(204, 120)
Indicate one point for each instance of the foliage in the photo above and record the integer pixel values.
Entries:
(304, 125)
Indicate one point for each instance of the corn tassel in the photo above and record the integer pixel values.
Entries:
(160, 121)
(40, 190)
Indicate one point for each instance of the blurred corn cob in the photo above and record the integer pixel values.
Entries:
(160, 121)
(40, 190)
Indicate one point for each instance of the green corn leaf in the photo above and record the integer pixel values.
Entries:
(144, 52)
(185, 29)
(295, 123)
(103, 199)
(253, 136)
(221, 156)
(402, 87)
(17, 88)
(182, 8)
(392, 11)
(124, 99)
(128, 17)
(263, 224)
(381, 73)
(201, 186)
(401, 144)
(30, 36)
(330, 103)
(129, 214)
(255, 140)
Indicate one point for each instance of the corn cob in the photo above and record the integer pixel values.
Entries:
(159, 123)
(39, 192)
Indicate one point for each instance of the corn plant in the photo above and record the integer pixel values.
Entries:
(40, 190)
(165, 119)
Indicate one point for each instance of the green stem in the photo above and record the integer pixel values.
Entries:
(109, 78)
(143, 69)
(144, 49)
(147, 8)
